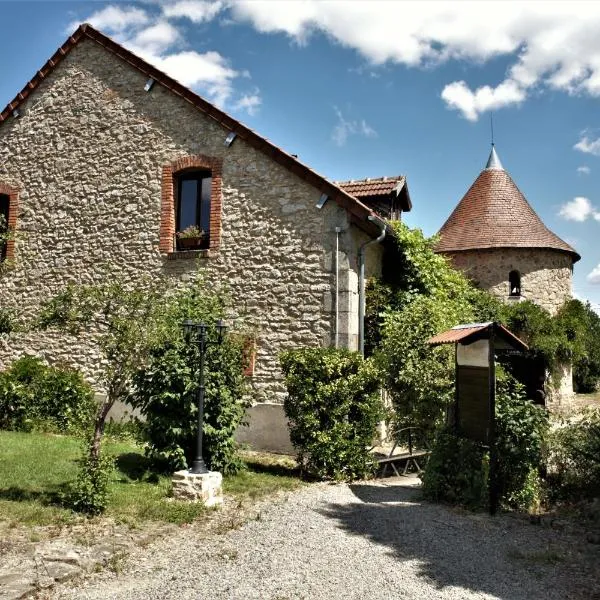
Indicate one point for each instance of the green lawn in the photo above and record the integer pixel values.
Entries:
(35, 467)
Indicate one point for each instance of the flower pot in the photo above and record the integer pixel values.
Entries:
(190, 243)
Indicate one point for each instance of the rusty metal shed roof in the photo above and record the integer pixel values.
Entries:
(462, 333)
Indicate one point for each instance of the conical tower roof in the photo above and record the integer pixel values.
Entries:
(495, 214)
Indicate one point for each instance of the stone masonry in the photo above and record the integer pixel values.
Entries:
(87, 157)
(545, 274)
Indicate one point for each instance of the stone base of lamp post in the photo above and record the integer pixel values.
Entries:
(198, 487)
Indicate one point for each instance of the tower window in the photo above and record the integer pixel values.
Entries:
(514, 283)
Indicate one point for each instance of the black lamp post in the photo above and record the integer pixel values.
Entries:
(195, 333)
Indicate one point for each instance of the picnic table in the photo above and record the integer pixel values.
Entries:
(408, 460)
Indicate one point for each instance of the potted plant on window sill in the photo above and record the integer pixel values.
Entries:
(192, 238)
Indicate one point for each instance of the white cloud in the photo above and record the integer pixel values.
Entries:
(249, 102)
(471, 104)
(578, 209)
(552, 45)
(588, 146)
(583, 170)
(196, 11)
(157, 38)
(115, 18)
(594, 275)
(151, 35)
(344, 128)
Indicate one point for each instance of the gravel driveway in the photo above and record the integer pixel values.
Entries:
(372, 540)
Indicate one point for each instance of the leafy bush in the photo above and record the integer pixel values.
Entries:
(6, 321)
(521, 435)
(457, 472)
(89, 492)
(581, 325)
(165, 391)
(574, 461)
(36, 396)
(333, 407)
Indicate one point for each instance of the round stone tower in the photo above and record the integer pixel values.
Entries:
(496, 238)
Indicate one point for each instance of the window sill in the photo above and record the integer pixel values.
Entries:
(188, 254)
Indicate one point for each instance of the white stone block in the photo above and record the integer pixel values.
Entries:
(198, 487)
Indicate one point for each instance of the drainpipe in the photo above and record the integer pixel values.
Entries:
(338, 230)
(361, 281)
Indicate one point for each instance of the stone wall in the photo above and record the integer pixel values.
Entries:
(545, 274)
(87, 157)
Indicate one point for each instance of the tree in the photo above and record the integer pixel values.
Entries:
(126, 323)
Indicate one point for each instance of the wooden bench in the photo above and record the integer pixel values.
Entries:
(406, 460)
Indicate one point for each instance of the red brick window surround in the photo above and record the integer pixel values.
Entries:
(9, 206)
(168, 211)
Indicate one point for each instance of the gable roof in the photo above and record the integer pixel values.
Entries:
(495, 214)
(472, 331)
(358, 211)
(378, 187)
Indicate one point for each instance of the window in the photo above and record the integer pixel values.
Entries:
(193, 209)
(4, 206)
(514, 283)
(190, 197)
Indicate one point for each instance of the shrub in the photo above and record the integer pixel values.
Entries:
(458, 468)
(574, 461)
(165, 391)
(89, 492)
(6, 321)
(457, 472)
(521, 435)
(36, 396)
(333, 407)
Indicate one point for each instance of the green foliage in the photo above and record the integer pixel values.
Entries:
(457, 472)
(521, 434)
(458, 469)
(581, 325)
(165, 389)
(89, 492)
(125, 320)
(429, 297)
(574, 462)
(333, 407)
(36, 396)
(6, 321)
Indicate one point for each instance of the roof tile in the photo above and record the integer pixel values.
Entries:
(495, 214)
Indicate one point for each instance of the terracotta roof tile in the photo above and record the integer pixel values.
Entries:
(495, 214)
(371, 187)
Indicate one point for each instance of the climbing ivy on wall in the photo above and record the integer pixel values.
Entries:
(426, 295)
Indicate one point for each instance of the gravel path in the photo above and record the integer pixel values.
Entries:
(373, 541)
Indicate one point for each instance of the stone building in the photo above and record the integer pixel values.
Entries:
(496, 238)
(104, 159)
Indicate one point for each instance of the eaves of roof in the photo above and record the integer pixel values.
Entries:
(357, 209)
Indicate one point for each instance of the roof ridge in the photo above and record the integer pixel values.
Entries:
(359, 210)
(382, 179)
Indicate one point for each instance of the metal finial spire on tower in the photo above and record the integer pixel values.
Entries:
(493, 160)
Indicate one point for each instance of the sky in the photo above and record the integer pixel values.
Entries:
(365, 89)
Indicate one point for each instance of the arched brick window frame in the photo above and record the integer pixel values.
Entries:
(167, 212)
(13, 208)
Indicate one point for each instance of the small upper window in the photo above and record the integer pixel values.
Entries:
(514, 283)
(193, 209)
(4, 206)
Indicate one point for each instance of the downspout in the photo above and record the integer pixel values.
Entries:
(361, 281)
(338, 230)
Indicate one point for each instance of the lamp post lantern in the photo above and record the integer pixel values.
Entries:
(196, 333)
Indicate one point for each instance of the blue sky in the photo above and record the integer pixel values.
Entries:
(365, 89)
